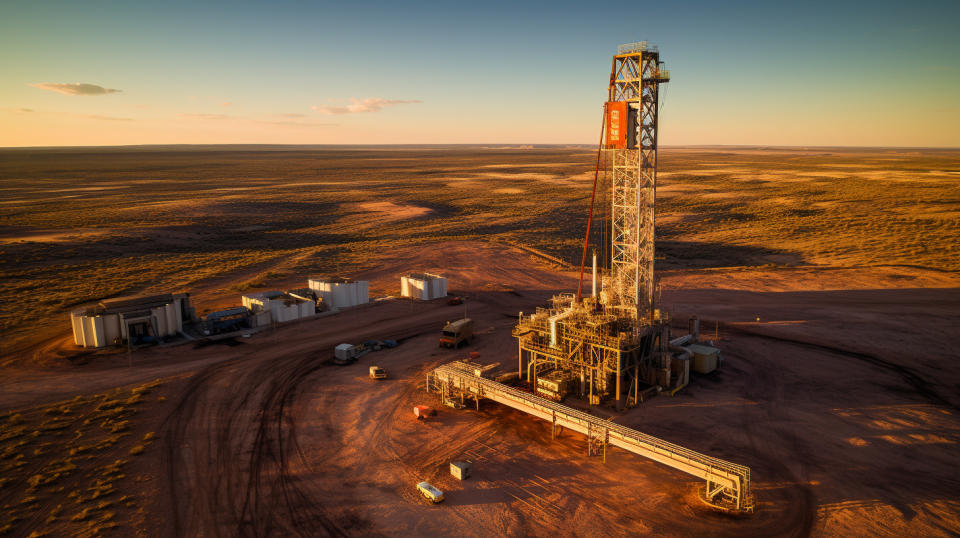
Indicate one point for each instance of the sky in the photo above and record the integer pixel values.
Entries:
(834, 73)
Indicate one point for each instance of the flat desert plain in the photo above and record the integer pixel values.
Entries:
(829, 277)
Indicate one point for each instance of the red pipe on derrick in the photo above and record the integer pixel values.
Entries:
(593, 197)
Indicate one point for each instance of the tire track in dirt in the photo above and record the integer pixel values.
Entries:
(248, 489)
(241, 481)
(922, 386)
(800, 512)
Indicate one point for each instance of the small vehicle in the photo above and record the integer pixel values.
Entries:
(429, 492)
(454, 301)
(373, 345)
(421, 411)
(450, 402)
(377, 373)
(345, 354)
(457, 333)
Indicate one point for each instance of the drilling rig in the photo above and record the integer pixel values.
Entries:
(613, 345)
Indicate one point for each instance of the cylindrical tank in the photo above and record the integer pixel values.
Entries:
(694, 328)
(160, 315)
(173, 319)
(364, 287)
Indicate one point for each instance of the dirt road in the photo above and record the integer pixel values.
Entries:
(842, 401)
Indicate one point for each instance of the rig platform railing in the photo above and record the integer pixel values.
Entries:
(727, 484)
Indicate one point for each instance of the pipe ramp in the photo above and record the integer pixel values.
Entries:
(727, 484)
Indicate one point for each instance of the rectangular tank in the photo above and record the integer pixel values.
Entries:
(705, 358)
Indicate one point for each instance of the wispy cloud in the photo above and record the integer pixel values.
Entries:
(291, 115)
(226, 103)
(373, 104)
(296, 123)
(107, 118)
(61, 114)
(205, 116)
(74, 89)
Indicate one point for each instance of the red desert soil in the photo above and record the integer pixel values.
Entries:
(839, 390)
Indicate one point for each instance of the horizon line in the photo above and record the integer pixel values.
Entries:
(471, 144)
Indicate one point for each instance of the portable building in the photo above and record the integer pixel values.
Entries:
(423, 286)
(135, 319)
(283, 307)
(341, 292)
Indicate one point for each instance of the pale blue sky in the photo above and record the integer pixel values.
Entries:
(837, 73)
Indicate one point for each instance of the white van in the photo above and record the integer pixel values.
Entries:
(432, 494)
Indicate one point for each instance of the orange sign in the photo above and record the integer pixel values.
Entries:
(617, 125)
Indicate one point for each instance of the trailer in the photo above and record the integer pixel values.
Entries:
(430, 493)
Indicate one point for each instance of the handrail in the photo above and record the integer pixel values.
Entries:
(709, 465)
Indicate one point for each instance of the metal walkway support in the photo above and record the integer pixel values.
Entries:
(727, 484)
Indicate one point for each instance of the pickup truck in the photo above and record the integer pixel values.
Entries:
(377, 373)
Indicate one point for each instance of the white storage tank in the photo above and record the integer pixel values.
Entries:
(341, 292)
(88, 328)
(423, 286)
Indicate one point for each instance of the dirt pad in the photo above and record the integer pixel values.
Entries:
(829, 277)
(847, 427)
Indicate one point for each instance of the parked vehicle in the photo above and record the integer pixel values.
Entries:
(422, 411)
(457, 333)
(450, 402)
(429, 492)
(348, 353)
(377, 373)
(454, 301)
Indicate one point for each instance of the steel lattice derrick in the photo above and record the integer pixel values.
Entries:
(626, 230)
(647, 135)
(635, 78)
